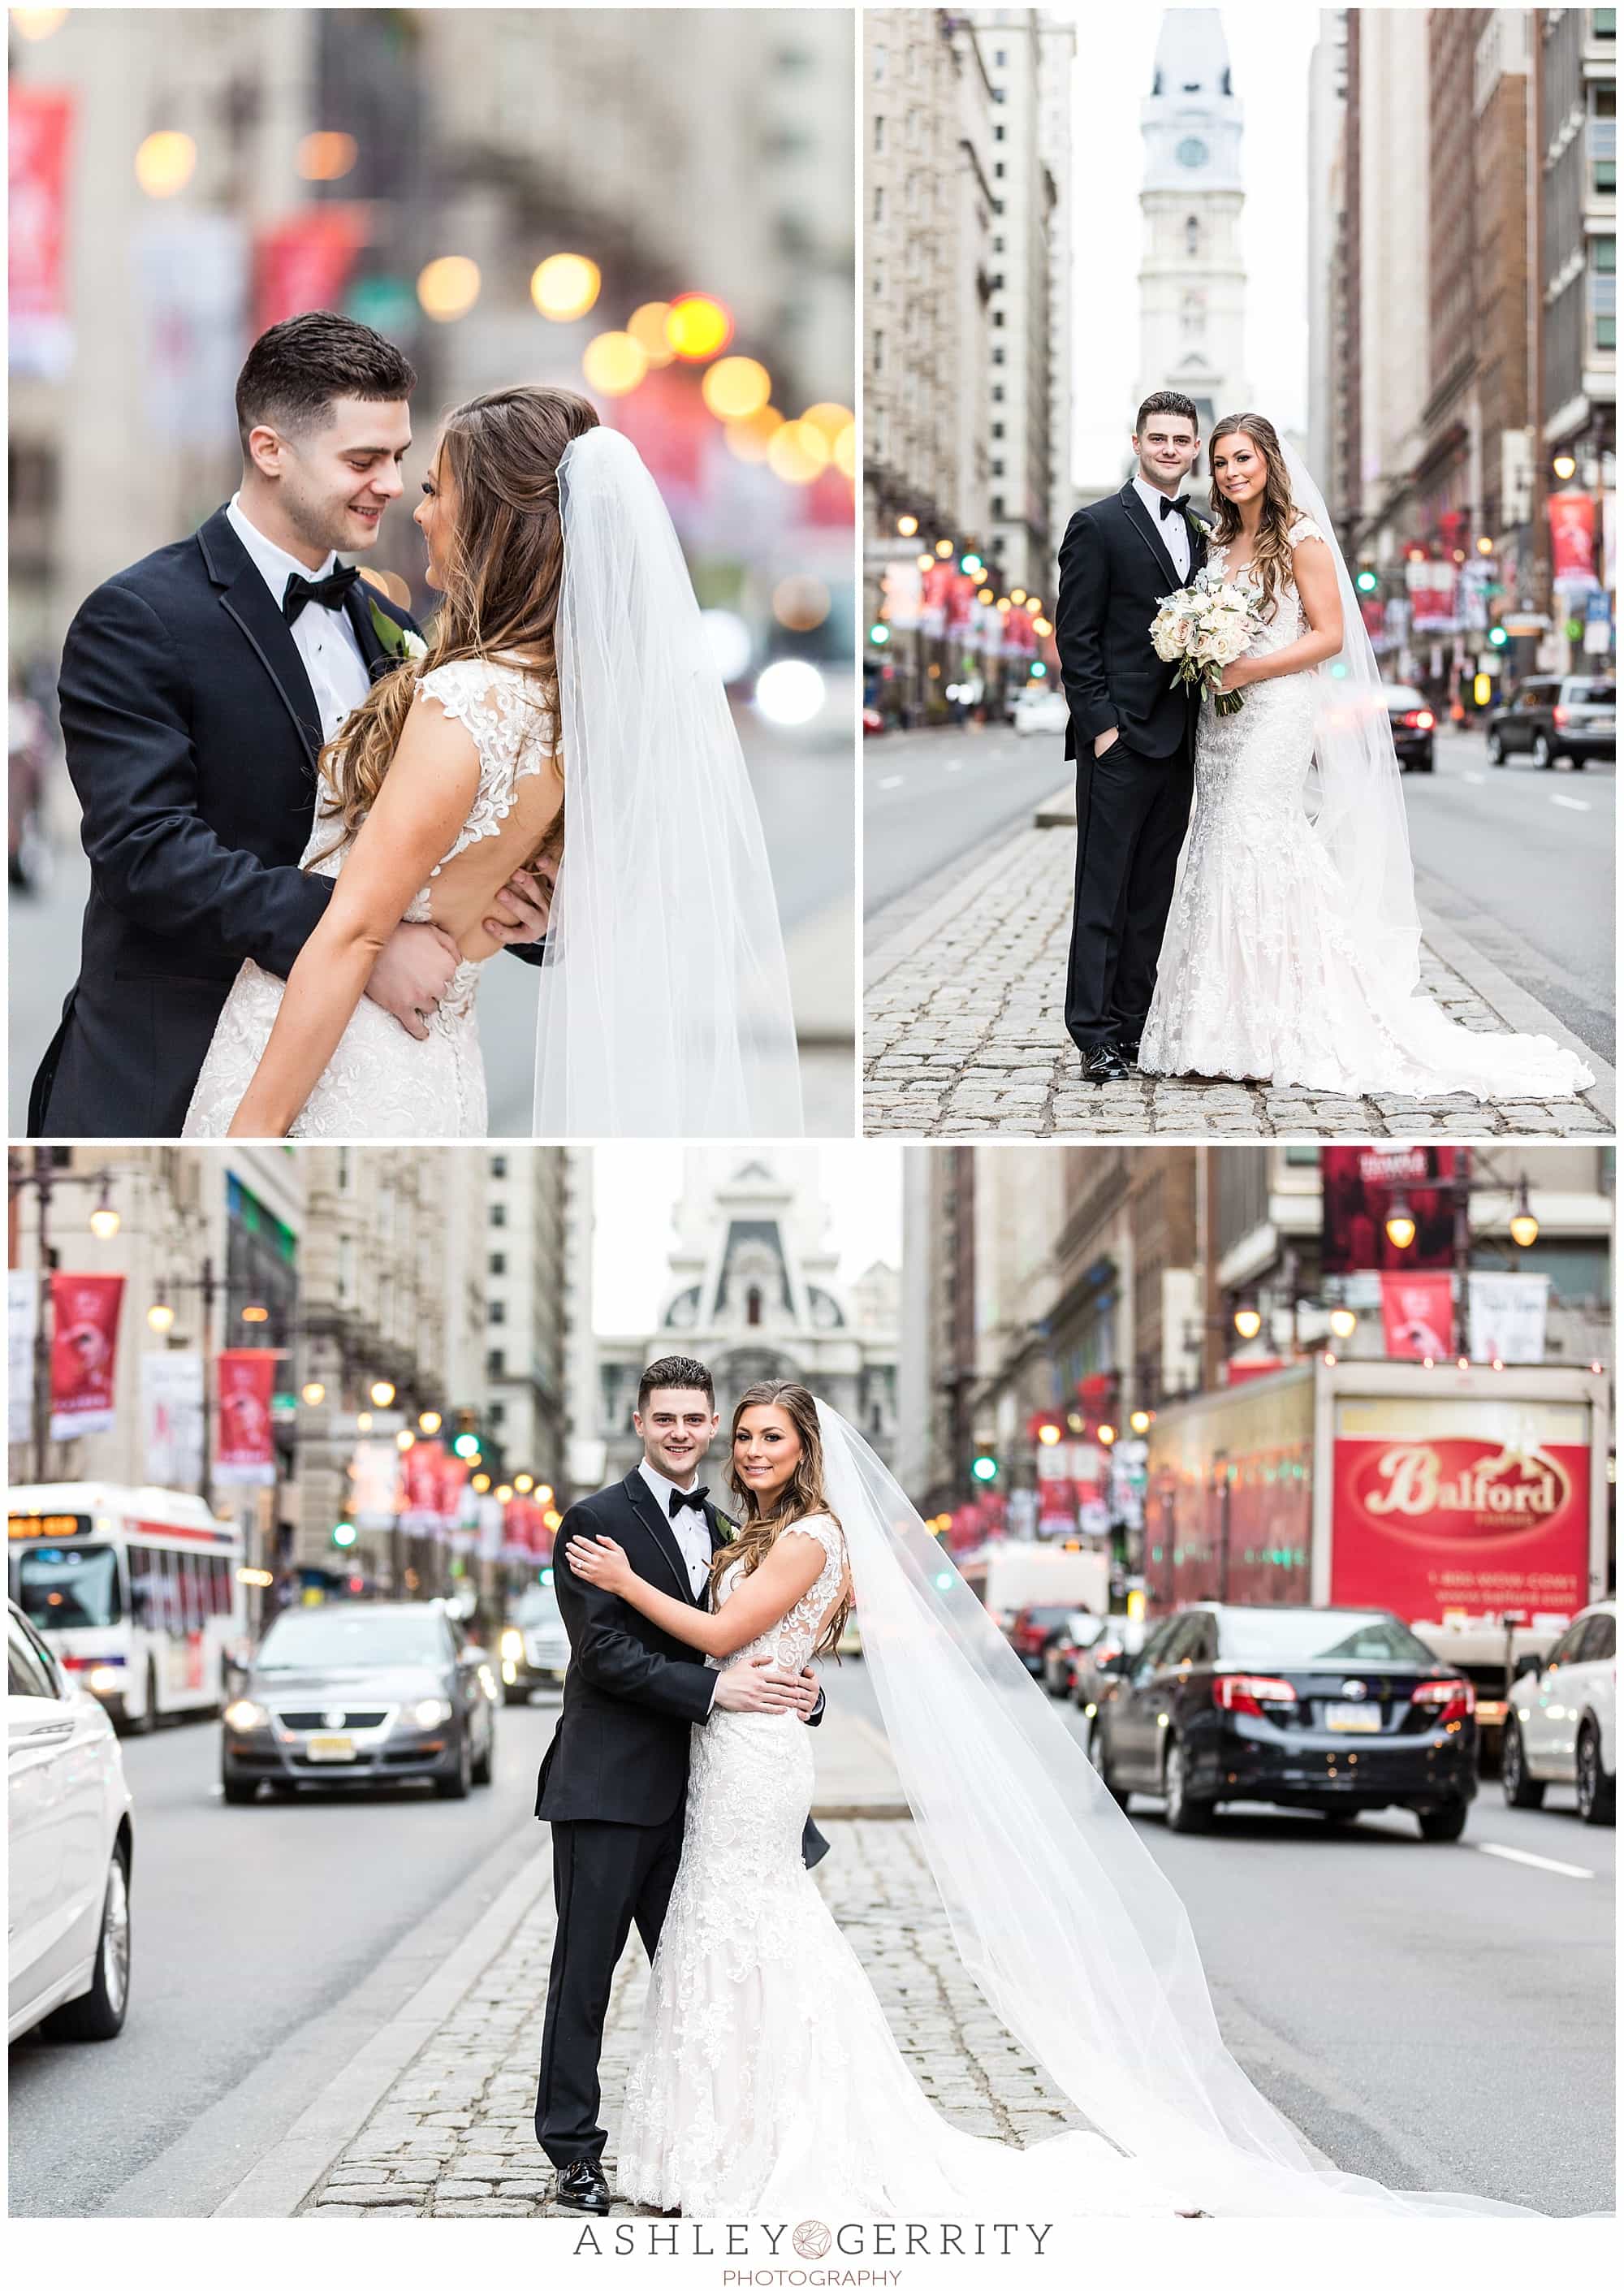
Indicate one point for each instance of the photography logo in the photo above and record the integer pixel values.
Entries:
(811, 2239)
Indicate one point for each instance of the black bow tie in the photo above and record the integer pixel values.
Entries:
(331, 591)
(1169, 507)
(694, 1498)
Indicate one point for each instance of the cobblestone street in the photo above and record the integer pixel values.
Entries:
(453, 2136)
(964, 1034)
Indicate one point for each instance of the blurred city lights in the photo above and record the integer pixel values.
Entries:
(846, 450)
(381, 1394)
(429, 1421)
(565, 287)
(313, 1395)
(647, 325)
(326, 156)
(790, 692)
(37, 23)
(983, 595)
(160, 1318)
(405, 1442)
(924, 560)
(944, 549)
(448, 287)
(798, 452)
(1017, 596)
(166, 163)
(907, 527)
(697, 328)
(1563, 467)
(751, 438)
(551, 1519)
(734, 388)
(830, 418)
(481, 1484)
(104, 1221)
(729, 638)
(801, 601)
(614, 364)
(1042, 628)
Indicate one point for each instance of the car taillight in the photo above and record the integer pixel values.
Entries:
(1448, 1698)
(1559, 717)
(1248, 1694)
(1418, 720)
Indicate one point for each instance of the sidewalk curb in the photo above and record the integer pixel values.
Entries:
(281, 2180)
(1524, 1013)
(884, 957)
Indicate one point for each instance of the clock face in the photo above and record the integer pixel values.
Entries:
(1192, 152)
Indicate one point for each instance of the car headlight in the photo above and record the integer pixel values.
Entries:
(243, 1717)
(513, 1646)
(105, 1678)
(433, 1711)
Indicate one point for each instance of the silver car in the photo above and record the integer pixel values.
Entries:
(534, 1645)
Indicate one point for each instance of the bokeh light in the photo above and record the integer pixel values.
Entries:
(828, 418)
(566, 286)
(729, 638)
(735, 388)
(751, 438)
(166, 163)
(697, 328)
(646, 324)
(846, 450)
(614, 364)
(790, 692)
(327, 156)
(800, 602)
(797, 452)
(37, 23)
(448, 287)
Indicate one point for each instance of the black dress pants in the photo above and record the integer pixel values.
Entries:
(605, 1875)
(1132, 811)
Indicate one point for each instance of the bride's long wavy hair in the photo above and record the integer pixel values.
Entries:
(801, 1495)
(502, 571)
(1272, 550)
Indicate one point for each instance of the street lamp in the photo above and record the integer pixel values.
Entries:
(1344, 1321)
(1524, 1224)
(43, 1177)
(104, 1219)
(382, 1392)
(1248, 1321)
(1141, 1420)
(313, 1395)
(160, 1318)
(907, 527)
(1049, 1434)
(429, 1421)
(1564, 466)
(1400, 1226)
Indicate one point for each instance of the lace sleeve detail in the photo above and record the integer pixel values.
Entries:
(823, 1530)
(498, 706)
(1305, 529)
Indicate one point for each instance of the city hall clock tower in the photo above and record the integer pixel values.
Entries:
(1191, 279)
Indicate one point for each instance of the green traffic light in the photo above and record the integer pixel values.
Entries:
(985, 1468)
(1366, 580)
(879, 633)
(465, 1444)
(343, 1534)
(1498, 637)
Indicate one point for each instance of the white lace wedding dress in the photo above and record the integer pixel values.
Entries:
(767, 2080)
(1261, 974)
(382, 1082)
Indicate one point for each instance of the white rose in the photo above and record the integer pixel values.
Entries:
(416, 648)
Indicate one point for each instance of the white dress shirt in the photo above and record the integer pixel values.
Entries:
(1175, 532)
(690, 1527)
(326, 641)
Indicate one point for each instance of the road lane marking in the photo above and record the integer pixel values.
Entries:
(1570, 803)
(1472, 779)
(956, 764)
(895, 780)
(1536, 1861)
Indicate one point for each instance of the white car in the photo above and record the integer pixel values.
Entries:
(1562, 1724)
(69, 1814)
(1041, 711)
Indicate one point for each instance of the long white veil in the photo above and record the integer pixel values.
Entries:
(1075, 1939)
(665, 1008)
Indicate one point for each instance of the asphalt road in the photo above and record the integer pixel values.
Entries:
(258, 1936)
(1521, 862)
(803, 782)
(1435, 2016)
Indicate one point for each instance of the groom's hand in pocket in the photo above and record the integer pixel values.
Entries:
(412, 973)
(1105, 740)
(760, 1686)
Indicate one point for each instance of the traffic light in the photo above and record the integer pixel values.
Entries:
(1367, 579)
(343, 1534)
(984, 1468)
(1498, 637)
(879, 634)
(465, 1444)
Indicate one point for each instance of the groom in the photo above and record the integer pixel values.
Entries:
(1132, 732)
(614, 1782)
(196, 688)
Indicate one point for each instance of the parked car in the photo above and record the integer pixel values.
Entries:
(1074, 1637)
(1412, 723)
(873, 724)
(1552, 716)
(1096, 1666)
(1032, 1630)
(68, 1815)
(1041, 711)
(1338, 1710)
(356, 1691)
(1562, 1724)
(534, 1645)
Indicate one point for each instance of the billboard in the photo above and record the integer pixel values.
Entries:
(1359, 1186)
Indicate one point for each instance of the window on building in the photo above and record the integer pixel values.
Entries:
(878, 351)
(752, 1309)
(998, 470)
(998, 393)
(498, 1265)
(998, 131)
(879, 131)
(998, 354)
(998, 428)
(499, 1165)
(1000, 58)
(1604, 23)
(1192, 234)
(878, 202)
(496, 1363)
(496, 1414)
(498, 1312)
(998, 504)
(998, 170)
(499, 1212)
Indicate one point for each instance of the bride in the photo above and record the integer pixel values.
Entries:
(1292, 951)
(765, 2079)
(566, 722)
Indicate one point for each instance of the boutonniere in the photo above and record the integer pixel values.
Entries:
(727, 1530)
(400, 644)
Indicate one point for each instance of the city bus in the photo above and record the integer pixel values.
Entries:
(138, 1590)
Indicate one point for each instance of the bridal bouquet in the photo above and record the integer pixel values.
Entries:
(1201, 632)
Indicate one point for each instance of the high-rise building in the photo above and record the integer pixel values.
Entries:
(1191, 275)
(1330, 131)
(527, 1270)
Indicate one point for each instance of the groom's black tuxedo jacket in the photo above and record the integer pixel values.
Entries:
(620, 1752)
(1114, 570)
(191, 733)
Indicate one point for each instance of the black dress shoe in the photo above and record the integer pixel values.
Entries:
(583, 2187)
(1103, 1064)
(1128, 1051)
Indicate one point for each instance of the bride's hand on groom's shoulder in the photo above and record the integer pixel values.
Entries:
(601, 1561)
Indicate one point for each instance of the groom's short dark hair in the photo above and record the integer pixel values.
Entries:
(1168, 401)
(295, 370)
(676, 1372)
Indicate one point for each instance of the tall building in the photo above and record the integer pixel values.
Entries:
(1192, 276)
(1329, 173)
(753, 1291)
(530, 1307)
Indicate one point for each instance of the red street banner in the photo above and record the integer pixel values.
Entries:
(1418, 1316)
(304, 263)
(1360, 1185)
(40, 123)
(1422, 1525)
(244, 1452)
(84, 1351)
(420, 1510)
(1572, 518)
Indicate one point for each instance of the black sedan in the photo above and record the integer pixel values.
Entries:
(351, 1692)
(1338, 1710)
(1412, 724)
